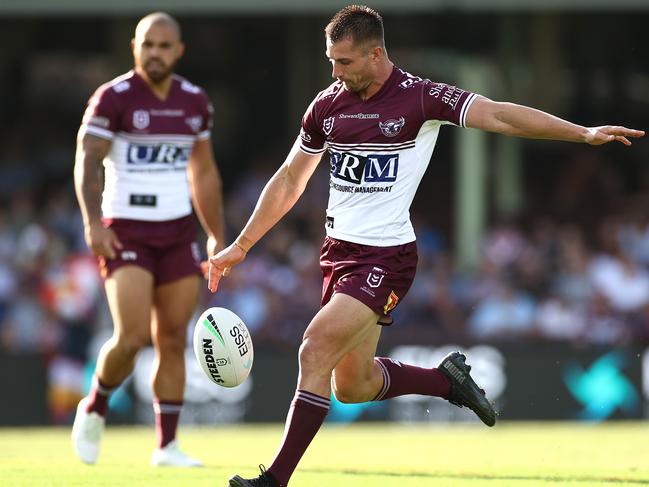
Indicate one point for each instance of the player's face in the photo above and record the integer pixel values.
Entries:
(156, 50)
(352, 64)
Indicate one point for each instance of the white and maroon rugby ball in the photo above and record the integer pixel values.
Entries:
(223, 347)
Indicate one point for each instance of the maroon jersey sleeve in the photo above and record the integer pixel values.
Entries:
(311, 134)
(207, 115)
(446, 103)
(102, 114)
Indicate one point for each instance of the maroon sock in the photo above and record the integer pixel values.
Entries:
(167, 414)
(305, 416)
(400, 379)
(98, 397)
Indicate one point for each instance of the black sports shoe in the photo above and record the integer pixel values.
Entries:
(464, 391)
(264, 480)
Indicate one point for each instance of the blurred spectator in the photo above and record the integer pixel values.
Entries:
(558, 319)
(603, 325)
(572, 281)
(503, 245)
(507, 315)
(616, 276)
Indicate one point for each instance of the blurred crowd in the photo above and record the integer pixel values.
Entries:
(542, 278)
(536, 280)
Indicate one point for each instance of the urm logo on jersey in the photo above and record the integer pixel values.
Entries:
(356, 169)
(158, 153)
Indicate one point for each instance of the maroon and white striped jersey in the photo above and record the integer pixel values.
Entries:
(145, 170)
(379, 150)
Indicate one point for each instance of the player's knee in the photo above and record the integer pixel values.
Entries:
(307, 355)
(172, 338)
(313, 356)
(131, 343)
(171, 344)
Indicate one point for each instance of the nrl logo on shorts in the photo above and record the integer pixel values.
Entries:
(392, 127)
(328, 125)
(375, 278)
(140, 119)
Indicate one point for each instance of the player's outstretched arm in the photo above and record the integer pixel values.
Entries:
(522, 121)
(89, 184)
(278, 196)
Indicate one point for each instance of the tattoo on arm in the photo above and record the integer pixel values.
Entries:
(89, 175)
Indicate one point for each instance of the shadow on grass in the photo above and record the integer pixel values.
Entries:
(473, 476)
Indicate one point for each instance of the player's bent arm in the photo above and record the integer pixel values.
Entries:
(89, 175)
(521, 121)
(206, 189)
(279, 195)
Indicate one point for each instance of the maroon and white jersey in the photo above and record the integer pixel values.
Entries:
(379, 150)
(145, 170)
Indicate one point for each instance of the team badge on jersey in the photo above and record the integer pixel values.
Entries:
(194, 122)
(392, 127)
(141, 119)
(304, 136)
(328, 125)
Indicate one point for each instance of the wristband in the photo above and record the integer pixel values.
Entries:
(245, 251)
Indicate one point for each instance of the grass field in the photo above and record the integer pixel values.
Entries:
(514, 454)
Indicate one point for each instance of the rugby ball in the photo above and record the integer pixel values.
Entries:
(223, 347)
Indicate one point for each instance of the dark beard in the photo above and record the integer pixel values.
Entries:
(160, 75)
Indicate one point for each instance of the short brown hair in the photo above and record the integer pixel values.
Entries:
(358, 22)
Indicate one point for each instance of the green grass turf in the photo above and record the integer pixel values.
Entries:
(511, 454)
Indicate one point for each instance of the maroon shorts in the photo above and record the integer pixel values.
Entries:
(167, 249)
(377, 276)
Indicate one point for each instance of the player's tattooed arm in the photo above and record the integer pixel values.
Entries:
(89, 175)
(89, 184)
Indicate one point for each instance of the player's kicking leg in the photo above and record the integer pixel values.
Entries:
(359, 376)
(464, 391)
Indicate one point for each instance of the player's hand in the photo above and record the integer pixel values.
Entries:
(212, 246)
(102, 241)
(611, 133)
(221, 263)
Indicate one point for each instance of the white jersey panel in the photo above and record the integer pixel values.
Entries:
(146, 178)
(375, 213)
